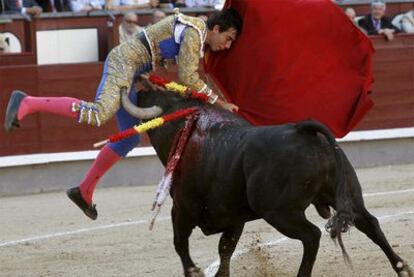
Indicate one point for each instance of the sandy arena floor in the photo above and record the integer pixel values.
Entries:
(46, 235)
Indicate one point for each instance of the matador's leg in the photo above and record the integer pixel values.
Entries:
(111, 153)
(95, 113)
(121, 65)
(119, 70)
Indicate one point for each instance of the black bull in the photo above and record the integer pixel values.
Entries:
(232, 172)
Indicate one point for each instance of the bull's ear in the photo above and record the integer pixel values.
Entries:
(7, 40)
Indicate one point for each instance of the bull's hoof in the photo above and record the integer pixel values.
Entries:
(194, 272)
(406, 270)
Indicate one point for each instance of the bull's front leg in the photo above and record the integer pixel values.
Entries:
(183, 228)
(227, 244)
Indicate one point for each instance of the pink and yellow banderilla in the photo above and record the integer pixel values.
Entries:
(146, 126)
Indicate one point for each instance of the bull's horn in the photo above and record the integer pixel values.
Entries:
(142, 113)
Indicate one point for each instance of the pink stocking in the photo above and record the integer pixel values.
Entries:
(103, 162)
(56, 105)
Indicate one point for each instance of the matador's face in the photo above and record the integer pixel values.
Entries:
(222, 40)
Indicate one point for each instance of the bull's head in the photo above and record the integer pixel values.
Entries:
(168, 102)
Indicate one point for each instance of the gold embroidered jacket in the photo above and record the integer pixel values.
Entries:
(177, 36)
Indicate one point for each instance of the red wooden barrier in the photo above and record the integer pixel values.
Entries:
(393, 87)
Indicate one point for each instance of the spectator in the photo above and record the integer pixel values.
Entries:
(127, 5)
(157, 15)
(407, 22)
(179, 3)
(166, 4)
(61, 5)
(4, 44)
(55, 5)
(202, 3)
(203, 16)
(376, 23)
(86, 5)
(30, 7)
(350, 13)
(129, 27)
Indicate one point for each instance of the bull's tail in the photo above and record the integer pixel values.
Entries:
(343, 218)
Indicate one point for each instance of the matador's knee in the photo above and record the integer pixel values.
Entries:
(89, 113)
(106, 104)
(96, 113)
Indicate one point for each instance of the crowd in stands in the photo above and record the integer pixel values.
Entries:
(127, 29)
(377, 23)
(35, 7)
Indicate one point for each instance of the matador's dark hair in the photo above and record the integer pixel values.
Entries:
(225, 19)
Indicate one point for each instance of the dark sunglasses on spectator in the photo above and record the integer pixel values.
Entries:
(131, 22)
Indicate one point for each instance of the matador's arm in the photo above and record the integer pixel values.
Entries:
(188, 64)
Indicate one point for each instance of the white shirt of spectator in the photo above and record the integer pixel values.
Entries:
(23, 9)
(202, 3)
(129, 2)
(77, 5)
(407, 22)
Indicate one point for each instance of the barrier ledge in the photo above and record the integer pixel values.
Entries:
(395, 133)
(33, 159)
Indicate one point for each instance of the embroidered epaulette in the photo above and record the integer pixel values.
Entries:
(197, 24)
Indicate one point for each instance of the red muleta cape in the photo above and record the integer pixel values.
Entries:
(295, 60)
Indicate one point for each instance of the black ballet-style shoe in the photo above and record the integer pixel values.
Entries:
(75, 195)
(10, 120)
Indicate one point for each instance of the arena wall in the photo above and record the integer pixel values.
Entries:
(35, 173)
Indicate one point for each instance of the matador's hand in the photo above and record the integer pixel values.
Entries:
(231, 107)
(227, 106)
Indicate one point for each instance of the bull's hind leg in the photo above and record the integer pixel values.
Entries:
(294, 224)
(182, 231)
(369, 225)
(227, 244)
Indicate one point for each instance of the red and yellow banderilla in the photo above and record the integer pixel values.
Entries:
(146, 126)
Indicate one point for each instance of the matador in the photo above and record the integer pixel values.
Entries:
(178, 37)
